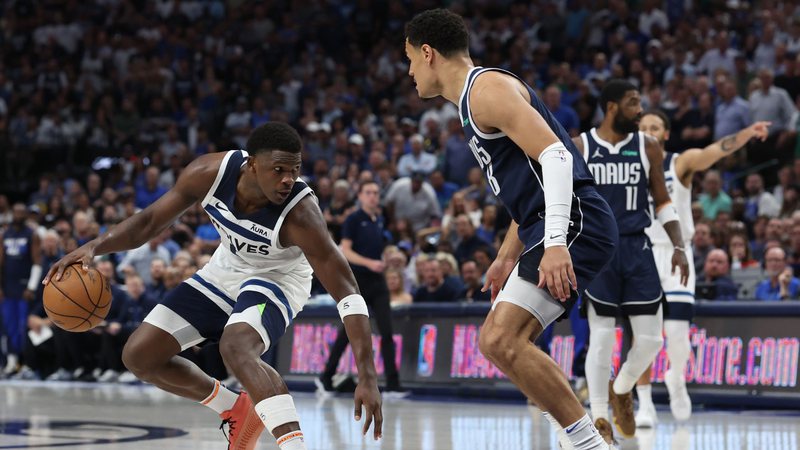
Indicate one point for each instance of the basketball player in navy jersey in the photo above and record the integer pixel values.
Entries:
(562, 230)
(20, 272)
(626, 165)
(679, 169)
(259, 278)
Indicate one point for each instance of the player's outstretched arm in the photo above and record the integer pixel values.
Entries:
(133, 232)
(698, 159)
(305, 227)
(665, 210)
(499, 102)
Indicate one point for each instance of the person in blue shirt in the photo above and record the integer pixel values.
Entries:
(780, 284)
(565, 115)
(150, 191)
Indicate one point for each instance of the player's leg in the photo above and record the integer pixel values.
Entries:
(377, 294)
(602, 338)
(678, 351)
(186, 317)
(260, 317)
(646, 416)
(325, 381)
(519, 314)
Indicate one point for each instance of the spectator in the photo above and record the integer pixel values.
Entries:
(701, 246)
(137, 261)
(759, 201)
(714, 199)
(469, 241)
(473, 284)
(719, 57)
(156, 288)
(418, 161)
(150, 191)
(415, 200)
(565, 115)
(444, 189)
(780, 283)
(458, 158)
(134, 308)
(732, 113)
(741, 256)
(433, 288)
(772, 104)
(237, 123)
(716, 283)
(398, 294)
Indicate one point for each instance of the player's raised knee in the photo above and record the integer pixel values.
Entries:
(240, 342)
(135, 358)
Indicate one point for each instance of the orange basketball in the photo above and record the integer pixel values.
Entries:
(79, 301)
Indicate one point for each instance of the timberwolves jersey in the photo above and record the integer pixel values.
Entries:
(621, 172)
(681, 197)
(515, 178)
(250, 243)
(17, 262)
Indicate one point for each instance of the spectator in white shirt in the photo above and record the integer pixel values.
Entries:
(416, 161)
(719, 57)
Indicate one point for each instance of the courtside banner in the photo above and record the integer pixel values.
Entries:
(742, 348)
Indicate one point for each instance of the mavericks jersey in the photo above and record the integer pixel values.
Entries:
(681, 197)
(250, 243)
(17, 261)
(514, 177)
(621, 172)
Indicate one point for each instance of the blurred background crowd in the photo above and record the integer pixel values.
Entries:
(103, 103)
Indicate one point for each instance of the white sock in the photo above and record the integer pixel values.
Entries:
(647, 342)
(602, 337)
(221, 398)
(584, 436)
(644, 392)
(292, 440)
(560, 433)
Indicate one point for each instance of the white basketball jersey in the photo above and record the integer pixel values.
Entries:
(250, 243)
(681, 197)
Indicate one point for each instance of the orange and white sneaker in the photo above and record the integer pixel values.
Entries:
(244, 425)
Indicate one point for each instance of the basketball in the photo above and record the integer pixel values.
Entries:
(79, 301)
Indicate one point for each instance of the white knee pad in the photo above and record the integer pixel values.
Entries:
(647, 346)
(276, 411)
(678, 345)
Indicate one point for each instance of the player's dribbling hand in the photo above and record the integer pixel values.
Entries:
(368, 396)
(83, 254)
(555, 272)
(679, 260)
(497, 274)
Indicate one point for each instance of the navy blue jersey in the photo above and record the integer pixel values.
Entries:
(622, 175)
(18, 261)
(513, 176)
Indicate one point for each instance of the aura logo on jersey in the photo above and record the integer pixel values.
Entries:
(78, 433)
(485, 161)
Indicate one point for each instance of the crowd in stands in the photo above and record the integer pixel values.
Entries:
(103, 103)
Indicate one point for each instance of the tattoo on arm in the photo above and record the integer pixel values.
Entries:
(728, 143)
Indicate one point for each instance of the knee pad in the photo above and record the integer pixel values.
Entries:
(647, 345)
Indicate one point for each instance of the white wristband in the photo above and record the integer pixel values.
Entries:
(556, 162)
(352, 304)
(35, 278)
(667, 213)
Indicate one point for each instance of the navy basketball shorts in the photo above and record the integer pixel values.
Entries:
(202, 306)
(591, 239)
(630, 283)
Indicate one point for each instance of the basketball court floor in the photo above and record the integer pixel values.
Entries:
(110, 417)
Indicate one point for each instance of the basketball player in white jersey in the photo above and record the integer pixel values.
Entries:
(259, 278)
(679, 168)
